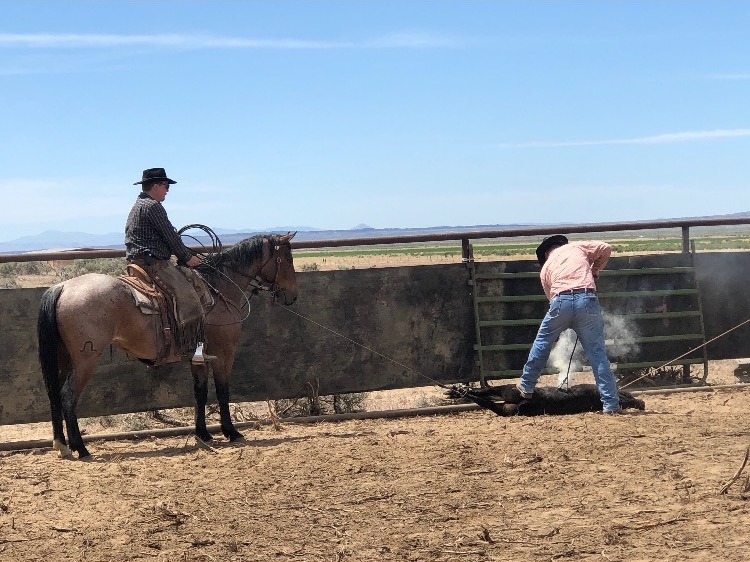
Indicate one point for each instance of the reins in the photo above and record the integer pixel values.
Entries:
(256, 284)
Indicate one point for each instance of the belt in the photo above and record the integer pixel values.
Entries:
(577, 291)
(144, 257)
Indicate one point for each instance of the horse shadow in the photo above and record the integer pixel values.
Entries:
(180, 450)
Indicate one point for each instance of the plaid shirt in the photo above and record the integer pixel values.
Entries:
(148, 230)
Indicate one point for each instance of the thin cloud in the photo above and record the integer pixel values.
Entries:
(181, 41)
(667, 138)
(735, 76)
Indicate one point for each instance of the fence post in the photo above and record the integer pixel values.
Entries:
(685, 239)
(467, 252)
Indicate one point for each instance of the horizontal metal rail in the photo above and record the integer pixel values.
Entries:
(511, 298)
(649, 364)
(657, 339)
(644, 294)
(659, 315)
(612, 294)
(684, 224)
(643, 339)
(515, 373)
(531, 231)
(508, 323)
(646, 271)
(634, 316)
(605, 273)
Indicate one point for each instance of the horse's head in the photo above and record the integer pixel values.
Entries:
(277, 271)
(264, 261)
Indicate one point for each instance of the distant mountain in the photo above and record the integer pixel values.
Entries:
(51, 240)
(57, 240)
(221, 231)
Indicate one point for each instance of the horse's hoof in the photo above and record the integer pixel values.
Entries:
(84, 455)
(204, 436)
(235, 436)
(63, 449)
(201, 444)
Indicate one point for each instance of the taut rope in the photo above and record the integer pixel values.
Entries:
(655, 369)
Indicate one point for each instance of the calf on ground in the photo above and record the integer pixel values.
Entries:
(506, 400)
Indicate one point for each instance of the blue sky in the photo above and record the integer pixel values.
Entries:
(389, 113)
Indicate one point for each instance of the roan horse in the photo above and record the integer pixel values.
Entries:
(81, 317)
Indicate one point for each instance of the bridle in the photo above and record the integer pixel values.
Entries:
(258, 283)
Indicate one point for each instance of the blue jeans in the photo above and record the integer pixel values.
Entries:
(582, 313)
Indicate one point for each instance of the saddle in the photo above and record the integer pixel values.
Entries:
(154, 300)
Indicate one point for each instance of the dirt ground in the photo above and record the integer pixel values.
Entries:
(469, 486)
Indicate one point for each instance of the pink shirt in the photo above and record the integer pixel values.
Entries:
(574, 266)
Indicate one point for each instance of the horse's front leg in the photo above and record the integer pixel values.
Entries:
(200, 390)
(221, 382)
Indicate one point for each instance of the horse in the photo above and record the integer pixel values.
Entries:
(80, 317)
(506, 399)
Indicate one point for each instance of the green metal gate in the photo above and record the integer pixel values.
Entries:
(656, 297)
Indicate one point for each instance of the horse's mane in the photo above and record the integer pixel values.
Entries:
(237, 258)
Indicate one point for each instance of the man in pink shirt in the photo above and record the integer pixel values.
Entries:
(569, 273)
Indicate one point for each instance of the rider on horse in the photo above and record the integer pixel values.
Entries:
(150, 241)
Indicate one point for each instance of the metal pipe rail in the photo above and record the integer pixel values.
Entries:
(463, 236)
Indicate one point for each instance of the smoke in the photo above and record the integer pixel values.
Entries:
(567, 345)
(619, 337)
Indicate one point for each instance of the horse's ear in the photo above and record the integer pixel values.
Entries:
(290, 235)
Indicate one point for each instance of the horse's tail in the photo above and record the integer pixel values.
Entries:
(48, 336)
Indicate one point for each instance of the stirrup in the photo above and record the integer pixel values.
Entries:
(200, 358)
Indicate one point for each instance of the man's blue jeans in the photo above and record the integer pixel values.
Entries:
(582, 313)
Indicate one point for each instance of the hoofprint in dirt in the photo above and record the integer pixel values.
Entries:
(472, 486)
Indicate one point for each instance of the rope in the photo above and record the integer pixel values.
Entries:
(216, 246)
(228, 300)
(216, 249)
(656, 369)
(566, 381)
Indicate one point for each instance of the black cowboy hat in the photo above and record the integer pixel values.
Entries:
(154, 174)
(547, 244)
